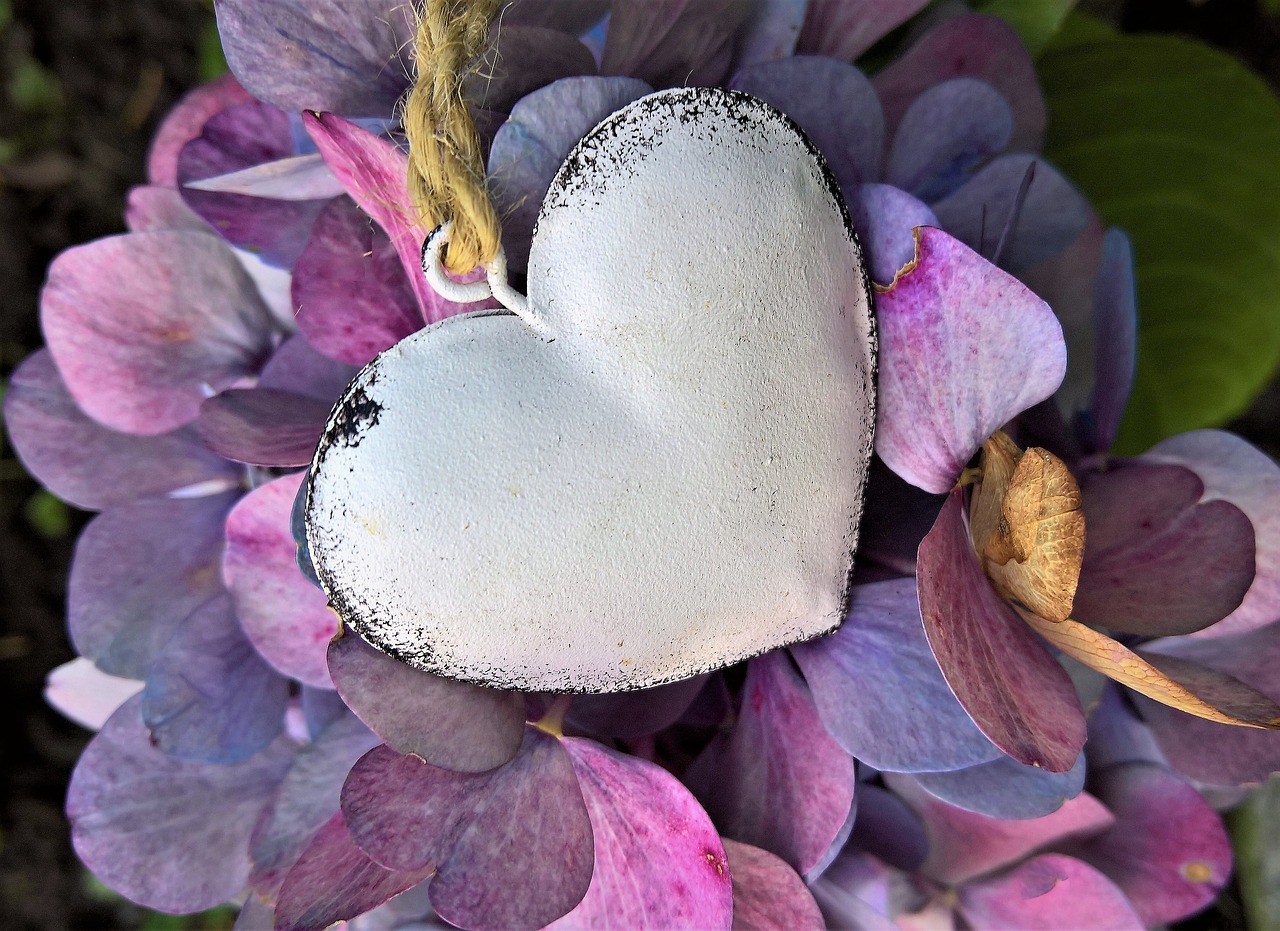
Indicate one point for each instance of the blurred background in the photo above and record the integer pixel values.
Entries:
(82, 85)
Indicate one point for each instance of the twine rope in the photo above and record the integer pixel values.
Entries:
(446, 167)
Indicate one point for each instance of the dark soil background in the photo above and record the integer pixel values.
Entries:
(82, 85)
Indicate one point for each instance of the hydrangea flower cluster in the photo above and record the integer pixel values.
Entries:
(933, 761)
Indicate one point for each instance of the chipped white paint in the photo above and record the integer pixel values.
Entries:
(664, 475)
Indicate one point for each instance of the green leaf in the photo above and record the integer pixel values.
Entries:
(1035, 21)
(49, 516)
(1255, 835)
(213, 62)
(1177, 143)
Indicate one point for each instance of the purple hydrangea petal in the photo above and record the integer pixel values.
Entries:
(88, 464)
(184, 122)
(658, 860)
(847, 28)
(530, 147)
(493, 869)
(1158, 560)
(672, 42)
(964, 844)
(1115, 320)
(1005, 788)
(160, 208)
(879, 690)
(139, 572)
(634, 714)
(833, 102)
(209, 696)
(778, 781)
(263, 426)
(350, 288)
(293, 177)
(455, 725)
(1052, 892)
(1003, 675)
(983, 47)
(255, 915)
(307, 800)
(772, 31)
(240, 137)
(334, 879)
(947, 131)
(286, 618)
(1168, 849)
(768, 895)
(854, 893)
(320, 708)
(298, 367)
(1234, 471)
(885, 219)
(523, 59)
(1048, 220)
(168, 834)
(963, 348)
(85, 694)
(1116, 734)
(888, 830)
(328, 55)
(141, 325)
(571, 16)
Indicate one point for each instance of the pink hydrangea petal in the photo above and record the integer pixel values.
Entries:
(167, 834)
(512, 847)
(847, 28)
(142, 325)
(1005, 678)
(350, 288)
(778, 781)
(298, 367)
(835, 105)
(963, 348)
(1168, 849)
(768, 895)
(351, 59)
(672, 42)
(1236, 472)
(86, 694)
(184, 122)
(658, 860)
(1051, 892)
(286, 618)
(334, 880)
(90, 465)
(964, 844)
(455, 725)
(983, 47)
(885, 219)
(292, 177)
(263, 426)
(139, 572)
(1149, 533)
(160, 208)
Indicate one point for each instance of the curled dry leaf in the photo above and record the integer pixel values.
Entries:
(1027, 526)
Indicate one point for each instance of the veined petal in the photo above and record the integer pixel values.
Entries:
(768, 895)
(263, 426)
(184, 122)
(886, 218)
(1052, 892)
(847, 28)
(1005, 788)
(672, 42)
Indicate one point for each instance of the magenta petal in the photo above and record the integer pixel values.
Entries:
(673, 42)
(847, 28)
(87, 464)
(167, 834)
(768, 895)
(778, 781)
(308, 798)
(658, 860)
(512, 847)
(1168, 850)
(140, 325)
(287, 619)
(964, 844)
(1051, 892)
(139, 572)
(1236, 472)
(634, 714)
(263, 426)
(184, 122)
(1003, 675)
(1158, 560)
(160, 208)
(327, 55)
(983, 47)
(350, 288)
(296, 366)
(455, 725)
(880, 692)
(833, 102)
(334, 880)
(964, 347)
(885, 219)
(1004, 788)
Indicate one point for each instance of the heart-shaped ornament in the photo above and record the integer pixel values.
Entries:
(657, 468)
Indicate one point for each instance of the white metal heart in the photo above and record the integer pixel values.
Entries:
(666, 475)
